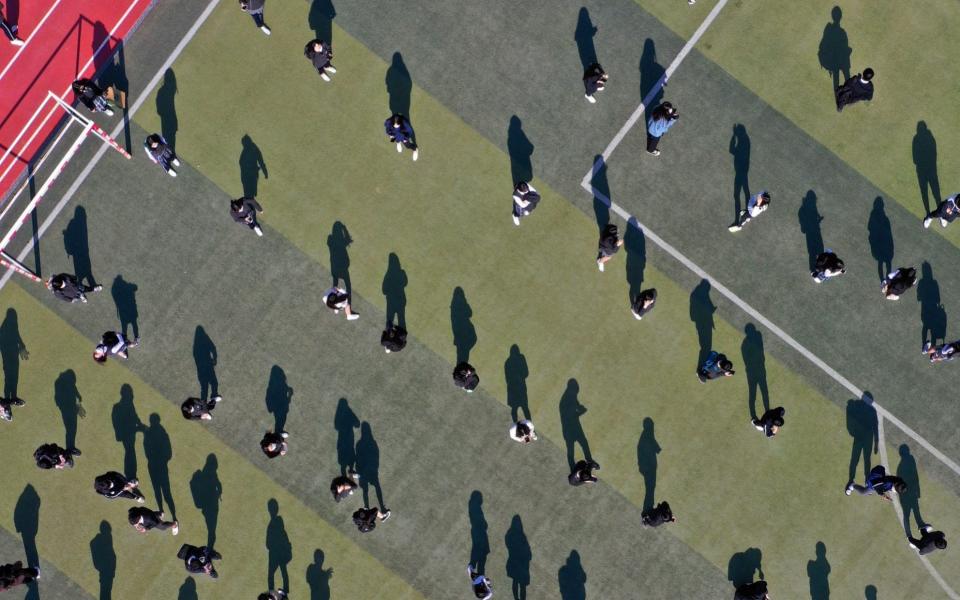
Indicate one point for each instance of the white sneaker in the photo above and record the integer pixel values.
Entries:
(387, 350)
(108, 112)
(172, 173)
(265, 29)
(691, 2)
(943, 223)
(635, 315)
(331, 69)
(217, 398)
(353, 317)
(849, 489)
(734, 228)
(325, 77)
(600, 266)
(258, 231)
(175, 162)
(176, 527)
(926, 222)
(590, 98)
(18, 42)
(654, 153)
(141, 500)
(416, 154)
(399, 147)
(516, 220)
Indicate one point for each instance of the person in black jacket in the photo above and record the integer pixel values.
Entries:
(6, 407)
(52, 456)
(594, 80)
(465, 377)
(160, 152)
(320, 54)
(393, 338)
(14, 574)
(583, 473)
(114, 485)
(752, 591)
(69, 289)
(898, 282)
(857, 88)
(336, 299)
(657, 516)
(525, 200)
(400, 132)
(771, 421)
(244, 211)
(366, 518)
(273, 595)
(143, 520)
(826, 266)
(343, 486)
(199, 559)
(90, 95)
(195, 409)
(274, 444)
(254, 8)
(643, 303)
(930, 541)
(609, 245)
(947, 212)
(113, 343)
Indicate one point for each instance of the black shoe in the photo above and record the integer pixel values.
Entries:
(74, 451)
(17, 401)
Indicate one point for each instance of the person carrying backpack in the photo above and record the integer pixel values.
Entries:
(930, 541)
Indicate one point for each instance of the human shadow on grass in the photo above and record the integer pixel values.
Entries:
(755, 365)
(464, 333)
(345, 421)
(520, 149)
(515, 372)
(910, 498)
(651, 72)
(68, 400)
(701, 313)
(519, 557)
(810, 218)
(647, 451)
(167, 108)
(337, 243)
(126, 425)
(399, 86)
(12, 351)
(320, 19)
(278, 397)
(570, 412)
(572, 578)
(104, 559)
(26, 521)
(114, 75)
(279, 549)
(368, 465)
(188, 590)
(601, 191)
(479, 542)
(635, 245)
(933, 317)
(205, 359)
(834, 50)
(251, 164)
(818, 571)
(76, 244)
(159, 452)
(206, 489)
(394, 290)
(743, 565)
(870, 592)
(880, 236)
(319, 578)
(740, 150)
(924, 149)
(864, 427)
(125, 298)
(584, 35)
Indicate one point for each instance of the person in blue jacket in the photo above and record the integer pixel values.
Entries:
(878, 483)
(400, 132)
(661, 119)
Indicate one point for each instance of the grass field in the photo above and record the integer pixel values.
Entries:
(494, 90)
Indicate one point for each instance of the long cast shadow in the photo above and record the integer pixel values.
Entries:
(68, 400)
(650, 73)
(743, 565)
(834, 51)
(740, 150)
(880, 236)
(12, 351)
(188, 590)
(924, 150)
(520, 149)
(515, 371)
(601, 191)
(251, 164)
(76, 244)
(399, 85)
(635, 245)
(864, 428)
(278, 397)
(584, 35)
(205, 358)
(870, 592)
(26, 521)
(345, 421)
(159, 452)
(320, 19)
(125, 298)
(519, 557)
(570, 412)
(394, 290)
(319, 578)
(167, 108)
(104, 559)
(647, 451)
(701, 313)
(464, 333)
(755, 365)
(337, 243)
(279, 549)
(933, 317)
(810, 218)
(126, 424)
(368, 465)
(818, 571)
(479, 542)
(572, 578)
(909, 499)
(206, 489)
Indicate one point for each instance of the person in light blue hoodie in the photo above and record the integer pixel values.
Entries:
(662, 118)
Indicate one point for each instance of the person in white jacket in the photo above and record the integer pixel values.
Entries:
(755, 205)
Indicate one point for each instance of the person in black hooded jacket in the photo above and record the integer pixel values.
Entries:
(393, 338)
(771, 421)
(69, 289)
(857, 88)
(594, 80)
(114, 485)
(465, 377)
(274, 444)
(244, 211)
(659, 515)
(898, 282)
(195, 409)
(52, 456)
(90, 95)
(643, 303)
(199, 559)
(320, 53)
(752, 591)
(609, 245)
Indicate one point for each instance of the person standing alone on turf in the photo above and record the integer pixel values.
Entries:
(161, 153)
(10, 31)
(366, 518)
(947, 212)
(336, 300)
(930, 541)
(661, 119)
(254, 8)
(583, 473)
(320, 54)
(594, 80)
(523, 432)
(898, 282)
(771, 421)
(657, 516)
(6, 407)
(610, 243)
(400, 132)
(857, 88)
(755, 205)
(826, 266)
(752, 591)
(144, 519)
(525, 200)
(68, 288)
(244, 211)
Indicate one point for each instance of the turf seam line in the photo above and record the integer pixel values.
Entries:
(144, 94)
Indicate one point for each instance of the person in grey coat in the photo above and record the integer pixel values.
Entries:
(254, 8)
(244, 211)
(320, 53)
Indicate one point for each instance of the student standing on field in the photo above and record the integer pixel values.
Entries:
(274, 444)
(771, 421)
(52, 456)
(114, 485)
(594, 80)
(659, 515)
(6, 407)
(752, 591)
(195, 409)
(609, 245)
(144, 519)
(320, 53)
(90, 95)
(947, 212)
(244, 211)
(661, 119)
(393, 338)
(857, 88)
(930, 541)
(199, 560)
(400, 132)
(160, 152)
(878, 483)
(482, 587)
(583, 473)
(465, 377)
(69, 289)
(826, 266)
(755, 205)
(343, 486)
(525, 200)
(941, 353)
(336, 299)
(254, 8)
(643, 303)
(366, 518)
(898, 282)
(523, 432)
(715, 366)
(113, 343)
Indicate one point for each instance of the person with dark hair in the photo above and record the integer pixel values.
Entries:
(254, 8)
(6, 407)
(160, 152)
(195, 409)
(273, 595)
(857, 88)
(898, 282)
(244, 211)
(522, 431)
(609, 244)
(715, 366)
(941, 353)
(52, 456)
(465, 377)
(320, 53)
(525, 201)
(947, 212)
(771, 421)
(393, 338)
(930, 541)
(878, 483)
(343, 486)
(660, 514)
(113, 343)
(583, 473)
(144, 519)
(69, 289)
(114, 485)
(594, 80)
(755, 205)
(827, 265)
(662, 118)
(274, 444)
(10, 30)
(643, 303)
(199, 560)
(400, 132)
(482, 587)
(366, 518)
(756, 590)
(14, 574)
(90, 95)
(336, 299)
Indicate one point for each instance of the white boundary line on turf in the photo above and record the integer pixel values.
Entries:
(116, 131)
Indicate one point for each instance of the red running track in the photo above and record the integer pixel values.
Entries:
(66, 39)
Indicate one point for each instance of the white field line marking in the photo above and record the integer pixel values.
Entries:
(116, 131)
(659, 85)
(27, 42)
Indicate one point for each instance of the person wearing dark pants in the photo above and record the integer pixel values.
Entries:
(393, 338)
(898, 282)
(755, 205)
(343, 486)
(752, 591)
(113, 343)
(481, 586)
(857, 88)
(930, 541)
(771, 421)
(160, 152)
(244, 211)
(609, 245)
(366, 518)
(69, 289)
(941, 353)
(660, 514)
(827, 265)
(6, 407)
(254, 8)
(643, 303)
(143, 520)
(583, 473)
(523, 431)
(91, 95)
(320, 53)
(465, 377)
(400, 132)
(715, 366)
(199, 560)
(52, 456)
(273, 595)
(10, 30)
(114, 485)
(15, 574)
(195, 409)
(274, 444)
(594, 80)
(661, 119)
(525, 200)
(947, 212)
(336, 299)
(878, 483)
